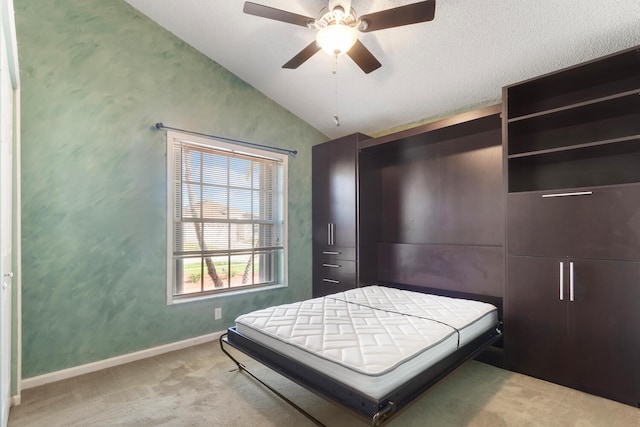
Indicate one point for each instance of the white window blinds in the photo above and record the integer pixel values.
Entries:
(228, 218)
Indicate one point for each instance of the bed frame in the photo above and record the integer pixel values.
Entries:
(376, 411)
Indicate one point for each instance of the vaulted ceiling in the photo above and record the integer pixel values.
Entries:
(457, 62)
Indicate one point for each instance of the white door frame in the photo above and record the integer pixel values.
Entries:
(10, 265)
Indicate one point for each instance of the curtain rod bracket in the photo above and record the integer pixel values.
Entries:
(161, 126)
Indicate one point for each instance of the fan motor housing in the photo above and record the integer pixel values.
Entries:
(336, 16)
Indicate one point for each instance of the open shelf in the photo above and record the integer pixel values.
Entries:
(613, 74)
(455, 127)
(592, 103)
(608, 119)
(606, 145)
(587, 166)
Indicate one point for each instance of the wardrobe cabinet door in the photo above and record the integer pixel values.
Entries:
(334, 192)
(320, 191)
(536, 342)
(604, 328)
(604, 223)
(343, 193)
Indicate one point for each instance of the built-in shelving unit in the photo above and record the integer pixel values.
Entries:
(572, 170)
(575, 128)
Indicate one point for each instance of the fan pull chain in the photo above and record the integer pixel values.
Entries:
(335, 74)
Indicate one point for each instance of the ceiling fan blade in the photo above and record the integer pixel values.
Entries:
(302, 56)
(363, 57)
(404, 15)
(276, 14)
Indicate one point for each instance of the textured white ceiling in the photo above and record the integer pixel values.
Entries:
(457, 62)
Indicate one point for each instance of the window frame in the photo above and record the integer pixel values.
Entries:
(282, 274)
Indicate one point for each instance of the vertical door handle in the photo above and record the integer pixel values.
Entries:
(561, 281)
(333, 233)
(331, 238)
(571, 281)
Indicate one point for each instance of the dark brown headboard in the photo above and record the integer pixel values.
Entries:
(470, 269)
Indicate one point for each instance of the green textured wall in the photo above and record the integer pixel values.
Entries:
(96, 75)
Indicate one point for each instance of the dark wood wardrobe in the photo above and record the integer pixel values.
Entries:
(572, 161)
(535, 202)
(334, 213)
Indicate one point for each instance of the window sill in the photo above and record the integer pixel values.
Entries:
(175, 301)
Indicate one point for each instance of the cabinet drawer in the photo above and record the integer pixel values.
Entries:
(330, 276)
(603, 223)
(336, 269)
(334, 252)
(342, 283)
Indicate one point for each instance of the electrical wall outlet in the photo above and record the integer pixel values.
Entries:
(217, 313)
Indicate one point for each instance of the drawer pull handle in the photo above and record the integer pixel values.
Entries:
(330, 253)
(577, 193)
(331, 265)
(330, 281)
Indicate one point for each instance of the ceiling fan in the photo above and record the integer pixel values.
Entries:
(338, 24)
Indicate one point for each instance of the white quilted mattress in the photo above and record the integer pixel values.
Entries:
(372, 338)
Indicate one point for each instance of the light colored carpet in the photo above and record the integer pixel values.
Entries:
(199, 386)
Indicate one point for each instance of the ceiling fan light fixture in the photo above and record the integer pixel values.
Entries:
(336, 39)
(338, 24)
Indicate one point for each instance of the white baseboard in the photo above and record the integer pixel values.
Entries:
(15, 400)
(114, 361)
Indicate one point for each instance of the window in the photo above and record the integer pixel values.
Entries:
(227, 217)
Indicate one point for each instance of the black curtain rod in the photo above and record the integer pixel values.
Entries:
(159, 125)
